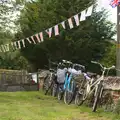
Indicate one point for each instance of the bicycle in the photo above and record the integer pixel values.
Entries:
(62, 86)
(50, 81)
(69, 86)
(96, 87)
(81, 86)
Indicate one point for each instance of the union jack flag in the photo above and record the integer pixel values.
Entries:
(114, 3)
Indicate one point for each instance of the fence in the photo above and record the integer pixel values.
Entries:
(14, 80)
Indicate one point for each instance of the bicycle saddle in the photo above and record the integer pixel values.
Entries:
(90, 74)
(51, 70)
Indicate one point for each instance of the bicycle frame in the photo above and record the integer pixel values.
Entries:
(94, 86)
(67, 82)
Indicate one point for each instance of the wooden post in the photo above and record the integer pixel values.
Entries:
(118, 41)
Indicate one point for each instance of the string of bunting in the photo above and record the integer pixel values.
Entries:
(38, 38)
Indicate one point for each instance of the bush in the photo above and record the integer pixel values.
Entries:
(117, 108)
(90, 100)
(107, 101)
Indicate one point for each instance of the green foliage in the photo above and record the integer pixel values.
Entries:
(109, 58)
(14, 60)
(81, 44)
(117, 108)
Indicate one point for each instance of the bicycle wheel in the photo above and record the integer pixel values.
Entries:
(78, 99)
(60, 92)
(49, 88)
(46, 84)
(54, 90)
(60, 95)
(69, 93)
(98, 92)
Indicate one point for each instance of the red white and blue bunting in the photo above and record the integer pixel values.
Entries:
(114, 3)
(39, 37)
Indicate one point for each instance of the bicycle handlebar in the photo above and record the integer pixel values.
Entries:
(65, 61)
(54, 63)
(113, 67)
(105, 68)
(97, 63)
(79, 65)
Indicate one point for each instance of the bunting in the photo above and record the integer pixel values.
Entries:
(49, 32)
(114, 3)
(19, 46)
(70, 23)
(28, 40)
(89, 11)
(33, 40)
(83, 15)
(77, 21)
(6, 47)
(56, 30)
(23, 43)
(63, 24)
(39, 37)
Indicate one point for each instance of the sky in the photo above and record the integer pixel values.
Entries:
(113, 11)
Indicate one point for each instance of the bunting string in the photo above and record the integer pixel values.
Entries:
(38, 38)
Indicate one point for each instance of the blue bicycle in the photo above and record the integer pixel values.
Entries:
(66, 85)
(68, 88)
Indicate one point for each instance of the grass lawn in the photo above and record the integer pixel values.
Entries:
(36, 106)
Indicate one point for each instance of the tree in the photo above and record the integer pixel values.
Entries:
(109, 57)
(81, 44)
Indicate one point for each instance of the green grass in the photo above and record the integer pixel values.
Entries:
(36, 106)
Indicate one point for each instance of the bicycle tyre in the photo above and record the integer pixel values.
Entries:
(60, 95)
(69, 94)
(49, 89)
(60, 92)
(45, 84)
(78, 99)
(54, 90)
(97, 98)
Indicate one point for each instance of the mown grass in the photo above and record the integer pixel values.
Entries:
(36, 106)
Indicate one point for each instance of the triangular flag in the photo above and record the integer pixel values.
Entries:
(63, 24)
(29, 40)
(6, 46)
(40, 39)
(19, 46)
(36, 35)
(89, 11)
(15, 45)
(70, 23)
(41, 36)
(23, 42)
(56, 28)
(49, 32)
(12, 44)
(83, 15)
(3, 49)
(33, 40)
(77, 21)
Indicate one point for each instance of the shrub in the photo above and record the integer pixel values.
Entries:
(117, 108)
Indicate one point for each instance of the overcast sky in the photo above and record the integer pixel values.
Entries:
(113, 11)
